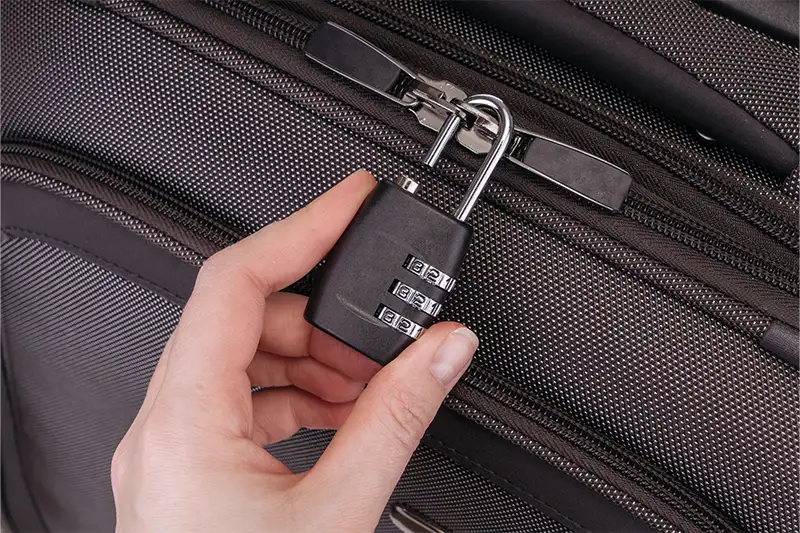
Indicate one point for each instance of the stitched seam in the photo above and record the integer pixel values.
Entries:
(94, 256)
(498, 476)
(84, 174)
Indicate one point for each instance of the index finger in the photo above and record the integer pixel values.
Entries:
(222, 322)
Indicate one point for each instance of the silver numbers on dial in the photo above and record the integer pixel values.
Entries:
(415, 298)
(393, 319)
(431, 274)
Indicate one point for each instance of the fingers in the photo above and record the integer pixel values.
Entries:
(338, 355)
(369, 453)
(270, 370)
(222, 322)
(153, 387)
(279, 413)
(286, 332)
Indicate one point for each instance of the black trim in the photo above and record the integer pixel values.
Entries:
(36, 214)
(20, 513)
(777, 18)
(559, 496)
(782, 340)
(575, 36)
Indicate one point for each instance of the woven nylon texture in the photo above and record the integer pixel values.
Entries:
(20, 175)
(588, 97)
(82, 344)
(642, 368)
(757, 72)
(727, 309)
(436, 486)
(562, 463)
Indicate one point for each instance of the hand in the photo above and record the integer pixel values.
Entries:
(193, 460)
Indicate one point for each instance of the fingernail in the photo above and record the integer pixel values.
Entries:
(453, 356)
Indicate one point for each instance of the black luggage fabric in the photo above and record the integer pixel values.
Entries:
(637, 370)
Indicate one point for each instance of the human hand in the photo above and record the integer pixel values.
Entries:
(193, 459)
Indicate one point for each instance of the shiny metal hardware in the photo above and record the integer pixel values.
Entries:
(433, 113)
(497, 150)
(444, 107)
(393, 319)
(408, 521)
(429, 273)
(406, 183)
(430, 111)
(609, 185)
(415, 298)
(449, 128)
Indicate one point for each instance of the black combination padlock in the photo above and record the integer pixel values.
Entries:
(387, 277)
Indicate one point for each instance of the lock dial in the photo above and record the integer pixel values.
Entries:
(388, 276)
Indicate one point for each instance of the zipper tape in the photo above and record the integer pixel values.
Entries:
(584, 174)
(703, 272)
(433, 101)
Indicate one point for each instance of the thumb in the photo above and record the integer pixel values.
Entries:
(369, 453)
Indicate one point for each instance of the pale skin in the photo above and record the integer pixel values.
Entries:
(193, 459)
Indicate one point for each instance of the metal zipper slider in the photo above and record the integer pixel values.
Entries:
(434, 101)
(358, 60)
(581, 173)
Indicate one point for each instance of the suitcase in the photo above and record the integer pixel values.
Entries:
(633, 275)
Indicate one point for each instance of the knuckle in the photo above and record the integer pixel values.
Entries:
(230, 267)
(212, 266)
(406, 417)
(118, 461)
(153, 448)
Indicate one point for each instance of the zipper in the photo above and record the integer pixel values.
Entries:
(592, 178)
(783, 231)
(177, 211)
(432, 101)
(492, 395)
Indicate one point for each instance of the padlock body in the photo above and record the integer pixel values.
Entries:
(396, 241)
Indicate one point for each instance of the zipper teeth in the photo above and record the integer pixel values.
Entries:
(684, 231)
(168, 206)
(486, 383)
(758, 216)
(294, 32)
(274, 22)
(500, 391)
(568, 465)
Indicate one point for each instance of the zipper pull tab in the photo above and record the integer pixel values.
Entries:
(434, 101)
(354, 58)
(579, 172)
(585, 174)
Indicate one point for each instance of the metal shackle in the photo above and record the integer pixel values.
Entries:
(505, 132)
